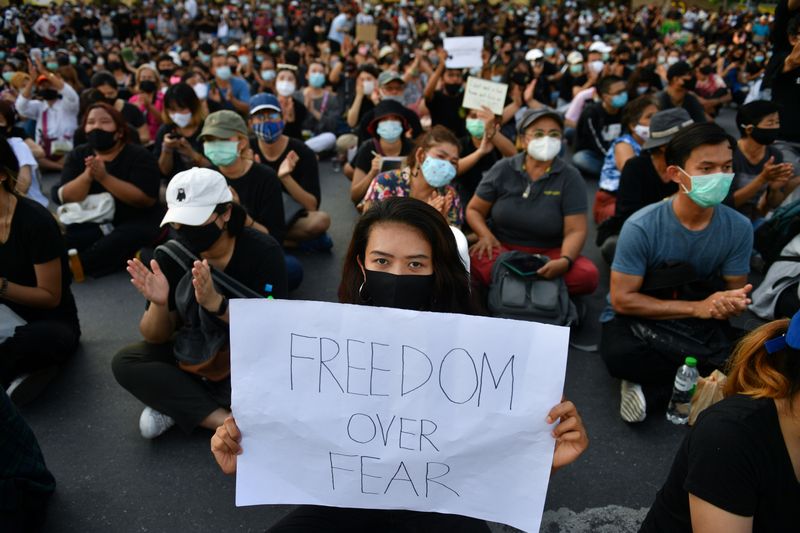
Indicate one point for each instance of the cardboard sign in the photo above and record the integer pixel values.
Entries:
(366, 33)
(375, 408)
(479, 92)
(463, 52)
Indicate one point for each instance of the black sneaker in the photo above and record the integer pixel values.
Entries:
(27, 387)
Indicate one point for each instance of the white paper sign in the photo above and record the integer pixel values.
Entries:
(364, 407)
(463, 52)
(479, 92)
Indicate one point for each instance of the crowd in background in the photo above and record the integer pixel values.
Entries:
(143, 110)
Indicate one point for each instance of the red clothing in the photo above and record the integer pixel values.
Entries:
(582, 278)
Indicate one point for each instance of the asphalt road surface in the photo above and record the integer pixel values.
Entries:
(111, 479)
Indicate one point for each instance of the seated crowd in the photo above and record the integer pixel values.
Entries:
(196, 155)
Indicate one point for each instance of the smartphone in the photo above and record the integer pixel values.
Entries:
(391, 163)
(524, 266)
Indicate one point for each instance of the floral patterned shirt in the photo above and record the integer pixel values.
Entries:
(398, 183)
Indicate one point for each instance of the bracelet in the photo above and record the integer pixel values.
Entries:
(3, 287)
(569, 260)
(223, 306)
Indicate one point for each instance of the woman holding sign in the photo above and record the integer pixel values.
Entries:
(402, 255)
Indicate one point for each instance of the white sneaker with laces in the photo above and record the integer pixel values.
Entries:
(632, 407)
(152, 423)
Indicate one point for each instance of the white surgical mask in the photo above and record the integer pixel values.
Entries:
(181, 119)
(201, 90)
(597, 66)
(544, 148)
(642, 131)
(285, 87)
(369, 87)
(671, 60)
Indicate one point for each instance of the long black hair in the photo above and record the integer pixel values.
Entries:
(451, 285)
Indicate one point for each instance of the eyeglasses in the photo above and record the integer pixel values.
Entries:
(540, 134)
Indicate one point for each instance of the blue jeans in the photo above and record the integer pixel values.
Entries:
(588, 162)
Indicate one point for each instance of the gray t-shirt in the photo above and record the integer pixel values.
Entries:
(653, 236)
(745, 172)
(531, 213)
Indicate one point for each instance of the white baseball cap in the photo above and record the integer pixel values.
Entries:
(534, 54)
(574, 57)
(600, 46)
(193, 194)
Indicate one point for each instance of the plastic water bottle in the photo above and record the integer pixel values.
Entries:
(682, 392)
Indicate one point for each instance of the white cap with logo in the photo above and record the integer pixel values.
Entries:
(193, 194)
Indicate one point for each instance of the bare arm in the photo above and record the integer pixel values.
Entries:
(24, 179)
(77, 189)
(622, 152)
(627, 299)
(47, 292)
(708, 518)
(126, 192)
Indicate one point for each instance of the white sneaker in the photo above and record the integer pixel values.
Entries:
(152, 423)
(632, 406)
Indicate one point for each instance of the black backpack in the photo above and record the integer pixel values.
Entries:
(523, 295)
(774, 234)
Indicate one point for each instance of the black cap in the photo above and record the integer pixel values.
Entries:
(665, 124)
(532, 115)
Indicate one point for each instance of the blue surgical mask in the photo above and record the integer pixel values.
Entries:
(268, 75)
(708, 190)
(549, 51)
(269, 132)
(576, 69)
(8, 75)
(618, 101)
(224, 72)
(204, 58)
(759, 59)
(437, 172)
(642, 89)
(316, 79)
(390, 130)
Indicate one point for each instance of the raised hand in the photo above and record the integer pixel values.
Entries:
(288, 165)
(153, 285)
(225, 445)
(204, 291)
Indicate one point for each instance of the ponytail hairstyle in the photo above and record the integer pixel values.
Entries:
(755, 372)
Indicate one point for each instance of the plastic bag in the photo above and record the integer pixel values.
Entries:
(707, 393)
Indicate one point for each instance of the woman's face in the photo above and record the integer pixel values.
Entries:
(286, 75)
(175, 108)
(147, 75)
(396, 248)
(100, 119)
(649, 111)
(446, 151)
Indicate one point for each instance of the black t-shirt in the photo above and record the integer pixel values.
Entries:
(597, 128)
(364, 155)
(446, 110)
(639, 186)
(133, 115)
(690, 103)
(257, 262)
(466, 183)
(133, 164)
(785, 90)
(295, 129)
(259, 193)
(568, 81)
(735, 458)
(36, 239)
(306, 172)
(179, 163)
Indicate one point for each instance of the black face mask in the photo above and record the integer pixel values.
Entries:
(765, 135)
(110, 101)
(101, 140)
(114, 65)
(452, 88)
(147, 86)
(690, 83)
(166, 73)
(401, 292)
(49, 94)
(199, 238)
(706, 70)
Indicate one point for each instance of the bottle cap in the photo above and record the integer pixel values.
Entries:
(691, 361)
(72, 252)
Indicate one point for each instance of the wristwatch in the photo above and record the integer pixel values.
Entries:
(223, 307)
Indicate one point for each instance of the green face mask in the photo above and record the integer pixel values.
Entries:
(475, 127)
(221, 153)
(709, 190)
